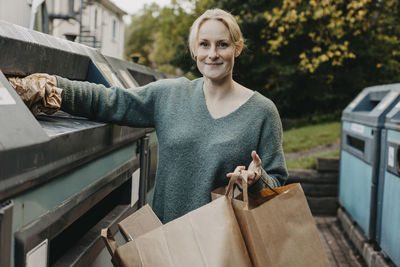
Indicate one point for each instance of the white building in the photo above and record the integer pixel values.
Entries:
(20, 12)
(96, 23)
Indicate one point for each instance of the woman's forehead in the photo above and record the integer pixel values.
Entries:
(213, 29)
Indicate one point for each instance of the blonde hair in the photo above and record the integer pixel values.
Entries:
(220, 15)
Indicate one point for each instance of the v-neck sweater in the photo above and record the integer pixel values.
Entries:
(196, 151)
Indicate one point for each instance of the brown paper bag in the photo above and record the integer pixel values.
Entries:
(278, 227)
(207, 236)
(39, 92)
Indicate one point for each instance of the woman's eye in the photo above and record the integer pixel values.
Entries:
(223, 44)
(203, 44)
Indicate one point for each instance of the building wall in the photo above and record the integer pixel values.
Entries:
(107, 26)
(60, 27)
(113, 35)
(97, 21)
(16, 11)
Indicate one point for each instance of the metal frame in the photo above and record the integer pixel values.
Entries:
(53, 223)
(6, 210)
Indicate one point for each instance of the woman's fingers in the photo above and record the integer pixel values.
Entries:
(256, 158)
(255, 165)
(237, 170)
(253, 172)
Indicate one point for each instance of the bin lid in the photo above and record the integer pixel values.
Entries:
(142, 75)
(372, 104)
(392, 120)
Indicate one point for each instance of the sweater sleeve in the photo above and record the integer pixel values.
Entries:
(132, 107)
(270, 150)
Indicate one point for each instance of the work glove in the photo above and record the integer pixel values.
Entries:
(39, 92)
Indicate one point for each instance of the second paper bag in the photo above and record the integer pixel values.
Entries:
(279, 229)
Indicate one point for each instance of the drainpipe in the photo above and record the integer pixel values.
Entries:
(35, 5)
(80, 21)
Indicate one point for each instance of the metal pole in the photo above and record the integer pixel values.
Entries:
(80, 21)
(144, 162)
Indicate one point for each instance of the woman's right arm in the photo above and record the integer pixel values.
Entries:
(133, 107)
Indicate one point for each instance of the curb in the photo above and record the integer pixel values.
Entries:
(372, 257)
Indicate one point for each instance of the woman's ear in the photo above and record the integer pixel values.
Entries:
(239, 48)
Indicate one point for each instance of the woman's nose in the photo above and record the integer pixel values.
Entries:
(213, 53)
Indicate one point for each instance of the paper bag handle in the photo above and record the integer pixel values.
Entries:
(109, 240)
(231, 184)
(244, 175)
(268, 185)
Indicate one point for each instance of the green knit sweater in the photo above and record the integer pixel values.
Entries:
(196, 151)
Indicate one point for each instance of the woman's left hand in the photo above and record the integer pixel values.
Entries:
(253, 172)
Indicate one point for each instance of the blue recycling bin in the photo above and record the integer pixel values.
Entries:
(388, 221)
(362, 123)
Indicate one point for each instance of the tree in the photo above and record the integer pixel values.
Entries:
(160, 35)
(140, 35)
(314, 56)
(309, 56)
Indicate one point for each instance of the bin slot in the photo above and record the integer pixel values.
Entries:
(398, 160)
(61, 122)
(356, 143)
(377, 96)
(396, 117)
(142, 78)
(371, 101)
(71, 235)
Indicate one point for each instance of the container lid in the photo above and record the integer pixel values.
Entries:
(372, 104)
(393, 118)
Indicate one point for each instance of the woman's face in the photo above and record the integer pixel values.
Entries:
(215, 51)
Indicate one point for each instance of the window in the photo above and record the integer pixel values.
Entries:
(95, 18)
(114, 29)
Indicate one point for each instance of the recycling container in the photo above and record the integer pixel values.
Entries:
(362, 123)
(62, 177)
(388, 230)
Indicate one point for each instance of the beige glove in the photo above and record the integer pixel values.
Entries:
(39, 92)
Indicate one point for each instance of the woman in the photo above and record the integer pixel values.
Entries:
(206, 128)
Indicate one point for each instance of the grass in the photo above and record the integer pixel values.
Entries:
(311, 136)
(307, 137)
(310, 162)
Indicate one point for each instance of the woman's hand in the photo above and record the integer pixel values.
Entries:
(253, 172)
(39, 92)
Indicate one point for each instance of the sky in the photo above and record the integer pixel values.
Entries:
(133, 6)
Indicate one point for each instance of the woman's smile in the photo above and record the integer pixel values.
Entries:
(214, 64)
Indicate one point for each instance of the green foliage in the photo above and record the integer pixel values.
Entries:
(160, 35)
(313, 56)
(311, 136)
(311, 119)
(140, 37)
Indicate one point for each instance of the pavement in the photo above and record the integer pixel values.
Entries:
(338, 247)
